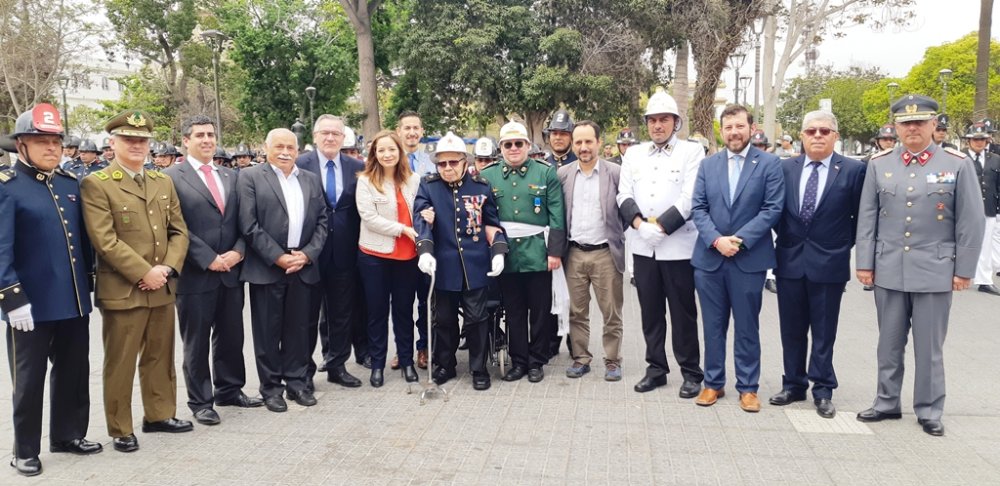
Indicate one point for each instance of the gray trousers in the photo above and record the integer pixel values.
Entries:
(927, 314)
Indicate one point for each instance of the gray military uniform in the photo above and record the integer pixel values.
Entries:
(919, 225)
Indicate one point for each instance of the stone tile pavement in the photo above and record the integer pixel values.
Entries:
(583, 431)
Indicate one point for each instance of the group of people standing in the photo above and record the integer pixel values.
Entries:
(332, 246)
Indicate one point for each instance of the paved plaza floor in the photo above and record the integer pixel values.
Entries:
(575, 431)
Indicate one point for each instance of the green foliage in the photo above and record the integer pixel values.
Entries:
(145, 91)
(846, 90)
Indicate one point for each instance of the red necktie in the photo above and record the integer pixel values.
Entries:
(213, 187)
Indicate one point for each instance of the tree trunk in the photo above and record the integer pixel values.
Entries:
(360, 13)
(680, 89)
(983, 60)
(768, 90)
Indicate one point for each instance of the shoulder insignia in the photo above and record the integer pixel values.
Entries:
(67, 173)
(117, 175)
(881, 154)
(543, 162)
(955, 152)
(491, 164)
(432, 177)
(101, 175)
(478, 178)
(7, 175)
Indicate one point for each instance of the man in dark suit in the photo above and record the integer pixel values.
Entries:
(210, 293)
(738, 198)
(815, 236)
(988, 169)
(283, 218)
(343, 322)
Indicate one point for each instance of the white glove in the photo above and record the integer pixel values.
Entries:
(427, 263)
(20, 318)
(651, 233)
(497, 266)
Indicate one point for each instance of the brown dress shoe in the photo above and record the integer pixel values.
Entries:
(749, 402)
(709, 396)
(394, 364)
(422, 359)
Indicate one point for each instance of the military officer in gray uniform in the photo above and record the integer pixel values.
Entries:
(920, 228)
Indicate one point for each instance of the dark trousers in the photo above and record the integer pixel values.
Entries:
(343, 321)
(212, 319)
(389, 284)
(724, 292)
(281, 314)
(527, 300)
(806, 307)
(446, 329)
(67, 344)
(659, 284)
(423, 291)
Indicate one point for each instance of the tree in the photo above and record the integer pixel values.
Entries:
(983, 58)
(360, 12)
(846, 90)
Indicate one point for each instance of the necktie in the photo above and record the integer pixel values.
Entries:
(734, 175)
(331, 184)
(413, 161)
(138, 180)
(979, 165)
(213, 187)
(809, 198)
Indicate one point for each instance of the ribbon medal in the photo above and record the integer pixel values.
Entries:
(538, 205)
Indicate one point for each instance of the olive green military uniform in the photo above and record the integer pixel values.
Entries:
(134, 225)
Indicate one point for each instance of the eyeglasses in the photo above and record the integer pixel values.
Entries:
(822, 131)
(449, 163)
(518, 144)
(328, 133)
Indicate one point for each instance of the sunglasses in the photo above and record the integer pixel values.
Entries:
(822, 131)
(449, 163)
(518, 144)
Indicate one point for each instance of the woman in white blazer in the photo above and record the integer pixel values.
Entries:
(387, 257)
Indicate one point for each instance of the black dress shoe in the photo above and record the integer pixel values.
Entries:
(872, 415)
(441, 375)
(536, 375)
(932, 427)
(276, 404)
(515, 373)
(650, 383)
(689, 389)
(480, 381)
(785, 397)
(825, 408)
(27, 467)
(366, 363)
(321, 368)
(304, 397)
(310, 385)
(340, 376)
(80, 447)
(377, 379)
(869, 288)
(989, 289)
(240, 400)
(171, 425)
(207, 416)
(771, 286)
(410, 374)
(126, 444)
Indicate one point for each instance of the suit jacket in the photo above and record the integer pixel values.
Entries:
(608, 175)
(211, 232)
(343, 223)
(755, 209)
(989, 181)
(380, 224)
(820, 251)
(264, 223)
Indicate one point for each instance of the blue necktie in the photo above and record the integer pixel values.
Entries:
(734, 176)
(331, 184)
(809, 198)
(413, 161)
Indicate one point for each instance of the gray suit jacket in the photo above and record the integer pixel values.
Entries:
(608, 173)
(211, 232)
(264, 223)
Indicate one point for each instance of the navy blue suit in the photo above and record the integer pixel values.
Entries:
(343, 320)
(814, 263)
(734, 285)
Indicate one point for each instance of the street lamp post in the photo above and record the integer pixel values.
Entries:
(736, 61)
(744, 84)
(64, 83)
(217, 39)
(944, 76)
(758, 29)
(299, 130)
(311, 94)
(892, 87)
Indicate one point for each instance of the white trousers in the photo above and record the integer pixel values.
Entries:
(988, 254)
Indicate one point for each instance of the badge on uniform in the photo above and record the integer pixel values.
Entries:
(71, 197)
(941, 178)
(538, 205)
(473, 214)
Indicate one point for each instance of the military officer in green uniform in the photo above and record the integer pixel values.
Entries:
(530, 199)
(136, 226)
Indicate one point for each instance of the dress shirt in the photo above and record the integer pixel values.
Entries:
(196, 164)
(295, 202)
(824, 170)
(338, 174)
(587, 218)
(131, 175)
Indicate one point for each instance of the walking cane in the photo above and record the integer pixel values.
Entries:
(430, 388)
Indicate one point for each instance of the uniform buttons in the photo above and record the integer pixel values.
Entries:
(456, 210)
(1, 297)
(910, 189)
(154, 227)
(460, 240)
(513, 198)
(517, 212)
(62, 209)
(912, 175)
(150, 211)
(460, 249)
(456, 230)
(906, 248)
(907, 234)
(56, 196)
(17, 290)
(457, 220)
(157, 243)
(69, 235)
(908, 219)
(73, 259)
(517, 240)
(909, 204)
(156, 259)
(514, 183)
(71, 247)
(65, 222)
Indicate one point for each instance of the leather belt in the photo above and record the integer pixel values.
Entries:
(290, 250)
(584, 247)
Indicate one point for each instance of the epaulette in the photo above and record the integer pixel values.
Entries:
(100, 174)
(154, 174)
(7, 175)
(478, 178)
(66, 173)
(955, 152)
(491, 164)
(881, 154)
(432, 177)
(545, 162)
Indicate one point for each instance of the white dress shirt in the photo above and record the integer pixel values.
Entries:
(587, 218)
(807, 169)
(196, 164)
(295, 202)
(338, 173)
